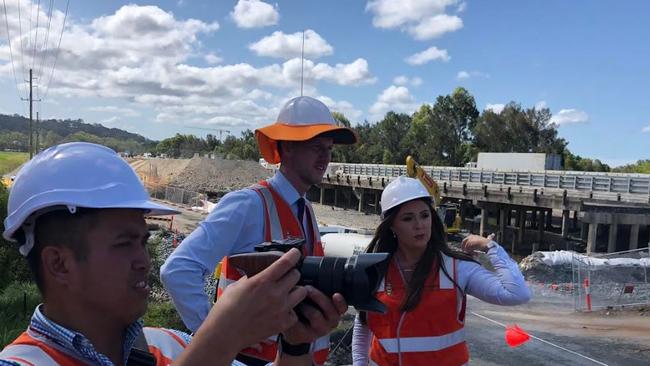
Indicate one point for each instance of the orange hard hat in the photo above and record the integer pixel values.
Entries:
(301, 119)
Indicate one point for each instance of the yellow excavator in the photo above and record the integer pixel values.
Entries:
(449, 214)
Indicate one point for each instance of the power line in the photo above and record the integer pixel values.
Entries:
(56, 56)
(38, 16)
(11, 54)
(22, 46)
(39, 72)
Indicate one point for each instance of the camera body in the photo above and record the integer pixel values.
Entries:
(356, 278)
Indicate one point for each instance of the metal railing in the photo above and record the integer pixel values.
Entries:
(638, 184)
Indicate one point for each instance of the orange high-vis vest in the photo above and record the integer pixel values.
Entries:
(279, 223)
(431, 334)
(30, 349)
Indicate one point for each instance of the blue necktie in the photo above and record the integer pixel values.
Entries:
(301, 213)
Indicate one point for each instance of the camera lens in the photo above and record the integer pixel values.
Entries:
(356, 278)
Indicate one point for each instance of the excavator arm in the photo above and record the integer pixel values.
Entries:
(414, 170)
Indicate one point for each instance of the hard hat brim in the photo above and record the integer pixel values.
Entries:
(268, 136)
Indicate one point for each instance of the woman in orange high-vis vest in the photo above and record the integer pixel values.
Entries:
(425, 285)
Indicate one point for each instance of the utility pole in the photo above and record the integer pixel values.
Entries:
(38, 145)
(31, 120)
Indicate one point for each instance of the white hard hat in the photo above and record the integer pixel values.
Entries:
(402, 189)
(300, 119)
(76, 174)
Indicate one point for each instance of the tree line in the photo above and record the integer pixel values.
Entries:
(449, 132)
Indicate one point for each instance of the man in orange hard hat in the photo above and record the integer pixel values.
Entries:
(301, 140)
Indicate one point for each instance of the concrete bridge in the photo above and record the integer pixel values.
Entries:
(586, 201)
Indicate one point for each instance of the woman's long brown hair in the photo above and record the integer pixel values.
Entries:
(385, 242)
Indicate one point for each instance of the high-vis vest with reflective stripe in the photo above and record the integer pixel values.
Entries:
(31, 349)
(279, 223)
(430, 334)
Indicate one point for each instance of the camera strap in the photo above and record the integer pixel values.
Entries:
(140, 355)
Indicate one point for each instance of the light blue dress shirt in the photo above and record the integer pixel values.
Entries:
(235, 226)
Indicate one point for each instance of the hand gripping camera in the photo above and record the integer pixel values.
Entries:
(356, 277)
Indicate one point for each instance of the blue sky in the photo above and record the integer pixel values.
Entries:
(157, 67)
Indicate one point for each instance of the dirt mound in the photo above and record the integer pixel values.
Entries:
(219, 175)
(159, 171)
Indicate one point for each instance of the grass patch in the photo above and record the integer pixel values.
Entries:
(11, 160)
(17, 303)
(164, 315)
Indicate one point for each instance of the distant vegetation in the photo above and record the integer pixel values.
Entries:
(11, 160)
(14, 135)
(449, 132)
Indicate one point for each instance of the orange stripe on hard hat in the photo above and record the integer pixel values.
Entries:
(267, 137)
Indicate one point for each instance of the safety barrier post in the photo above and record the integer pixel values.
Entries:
(587, 294)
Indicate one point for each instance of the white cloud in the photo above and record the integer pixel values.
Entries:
(404, 80)
(464, 75)
(254, 14)
(570, 116)
(430, 54)
(394, 98)
(129, 112)
(496, 108)
(461, 7)
(342, 106)
(541, 105)
(646, 129)
(435, 27)
(287, 46)
(423, 19)
(101, 59)
(212, 59)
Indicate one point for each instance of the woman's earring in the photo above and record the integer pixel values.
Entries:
(394, 236)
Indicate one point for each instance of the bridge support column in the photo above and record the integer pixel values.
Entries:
(484, 214)
(336, 196)
(501, 238)
(362, 200)
(613, 232)
(322, 195)
(540, 231)
(549, 220)
(565, 223)
(634, 237)
(575, 220)
(521, 223)
(591, 238)
(377, 210)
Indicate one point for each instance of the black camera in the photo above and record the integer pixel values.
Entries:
(356, 277)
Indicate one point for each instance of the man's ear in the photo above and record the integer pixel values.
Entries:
(58, 263)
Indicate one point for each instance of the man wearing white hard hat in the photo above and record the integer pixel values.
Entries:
(77, 212)
(301, 140)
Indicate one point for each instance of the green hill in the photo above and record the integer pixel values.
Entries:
(14, 134)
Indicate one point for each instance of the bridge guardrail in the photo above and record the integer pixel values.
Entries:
(633, 184)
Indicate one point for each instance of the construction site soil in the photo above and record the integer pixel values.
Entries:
(200, 174)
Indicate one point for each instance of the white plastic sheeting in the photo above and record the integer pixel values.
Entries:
(560, 257)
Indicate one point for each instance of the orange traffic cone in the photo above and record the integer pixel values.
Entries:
(516, 336)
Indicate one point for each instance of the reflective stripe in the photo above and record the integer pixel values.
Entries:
(225, 282)
(27, 355)
(167, 343)
(272, 213)
(321, 344)
(423, 344)
(445, 282)
(382, 285)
